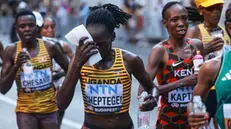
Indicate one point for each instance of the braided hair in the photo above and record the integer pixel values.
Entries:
(109, 15)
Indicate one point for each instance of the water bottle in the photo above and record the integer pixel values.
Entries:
(199, 107)
(143, 116)
(27, 68)
(197, 60)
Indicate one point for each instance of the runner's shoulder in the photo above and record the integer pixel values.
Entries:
(196, 42)
(10, 49)
(194, 32)
(50, 45)
(129, 56)
(211, 67)
(159, 48)
(194, 29)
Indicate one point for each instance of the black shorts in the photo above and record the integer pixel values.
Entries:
(211, 103)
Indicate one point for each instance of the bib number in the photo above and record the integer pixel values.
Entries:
(41, 80)
(180, 96)
(104, 98)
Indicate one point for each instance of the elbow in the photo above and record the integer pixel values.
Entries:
(61, 106)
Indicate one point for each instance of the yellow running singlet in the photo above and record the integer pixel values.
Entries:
(38, 94)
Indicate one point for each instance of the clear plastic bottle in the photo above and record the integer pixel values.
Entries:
(27, 68)
(197, 60)
(199, 107)
(143, 116)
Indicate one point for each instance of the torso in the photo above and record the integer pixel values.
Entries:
(206, 37)
(36, 95)
(177, 65)
(110, 81)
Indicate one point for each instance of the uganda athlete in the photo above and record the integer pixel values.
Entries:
(36, 103)
(106, 86)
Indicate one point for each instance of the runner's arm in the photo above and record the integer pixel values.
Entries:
(67, 50)
(82, 54)
(9, 70)
(59, 57)
(206, 80)
(142, 76)
(66, 92)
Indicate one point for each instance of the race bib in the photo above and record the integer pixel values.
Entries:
(104, 98)
(40, 80)
(180, 96)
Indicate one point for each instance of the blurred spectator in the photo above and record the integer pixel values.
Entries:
(62, 16)
(83, 12)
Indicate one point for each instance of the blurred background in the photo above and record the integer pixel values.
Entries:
(144, 27)
(143, 31)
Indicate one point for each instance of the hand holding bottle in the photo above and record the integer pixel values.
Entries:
(198, 118)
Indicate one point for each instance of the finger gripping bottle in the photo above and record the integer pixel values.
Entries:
(143, 116)
(197, 61)
(199, 107)
(27, 68)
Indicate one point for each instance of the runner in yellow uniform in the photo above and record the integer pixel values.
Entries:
(36, 103)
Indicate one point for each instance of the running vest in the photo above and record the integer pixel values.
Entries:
(172, 113)
(106, 92)
(36, 95)
(206, 37)
(223, 88)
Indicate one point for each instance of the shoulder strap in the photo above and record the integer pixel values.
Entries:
(193, 47)
(168, 47)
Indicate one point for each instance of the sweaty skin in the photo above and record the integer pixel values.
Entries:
(29, 41)
(132, 63)
(26, 28)
(206, 79)
(177, 24)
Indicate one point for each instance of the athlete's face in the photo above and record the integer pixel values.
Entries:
(228, 22)
(48, 29)
(102, 38)
(176, 21)
(211, 14)
(26, 27)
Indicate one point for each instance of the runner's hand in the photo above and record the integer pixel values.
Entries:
(197, 120)
(84, 51)
(214, 45)
(22, 58)
(190, 80)
(149, 104)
